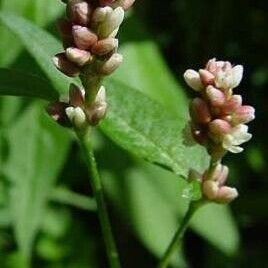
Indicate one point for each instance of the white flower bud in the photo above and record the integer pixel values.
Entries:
(78, 56)
(101, 13)
(111, 64)
(192, 78)
(76, 116)
(112, 22)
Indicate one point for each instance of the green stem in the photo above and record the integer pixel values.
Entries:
(177, 239)
(96, 184)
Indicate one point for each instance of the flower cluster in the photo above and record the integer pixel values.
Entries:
(218, 117)
(88, 35)
(218, 120)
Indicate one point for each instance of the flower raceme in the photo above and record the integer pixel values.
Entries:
(218, 116)
(88, 35)
(218, 122)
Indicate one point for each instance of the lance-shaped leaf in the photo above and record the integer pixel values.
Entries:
(41, 45)
(16, 83)
(144, 128)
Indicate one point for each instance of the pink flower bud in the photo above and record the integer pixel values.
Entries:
(218, 128)
(76, 96)
(222, 177)
(78, 56)
(244, 114)
(79, 11)
(83, 37)
(226, 195)
(104, 46)
(65, 66)
(199, 111)
(232, 104)
(215, 96)
(206, 77)
(210, 189)
(111, 64)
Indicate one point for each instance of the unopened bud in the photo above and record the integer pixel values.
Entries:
(76, 115)
(76, 96)
(78, 56)
(215, 96)
(79, 11)
(101, 96)
(244, 114)
(100, 14)
(57, 111)
(232, 104)
(218, 128)
(226, 195)
(210, 189)
(113, 21)
(206, 77)
(223, 175)
(65, 66)
(192, 78)
(83, 37)
(98, 109)
(104, 46)
(111, 64)
(199, 111)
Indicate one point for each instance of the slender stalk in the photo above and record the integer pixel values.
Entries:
(177, 239)
(96, 184)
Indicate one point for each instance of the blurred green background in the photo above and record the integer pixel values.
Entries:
(47, 217)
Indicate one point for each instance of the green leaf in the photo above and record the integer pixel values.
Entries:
(38, 150)
(144, 128)
(40, 44)
(216, 224)
(16, 83)
(145, 69)
(39, 11)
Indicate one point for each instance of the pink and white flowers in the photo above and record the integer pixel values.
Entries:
(218, 120)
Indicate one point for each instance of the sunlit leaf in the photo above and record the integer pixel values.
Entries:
(145, 129)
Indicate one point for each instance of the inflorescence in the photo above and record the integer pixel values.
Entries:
(218, 122)
(88, 35)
